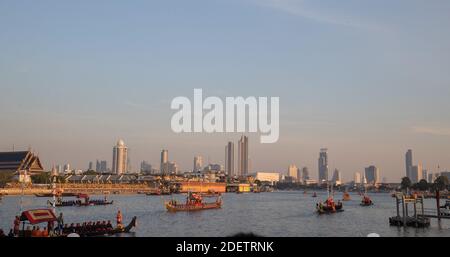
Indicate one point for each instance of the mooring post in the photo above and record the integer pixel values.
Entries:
(397, 201)
(423, 211)
(404, 211)
(415, 208)
(438, 205)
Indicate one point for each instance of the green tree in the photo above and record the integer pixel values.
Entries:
(41, 178)
(90, 172)
(441, 183)
(5, 177)
(422, 185)
(406, 183)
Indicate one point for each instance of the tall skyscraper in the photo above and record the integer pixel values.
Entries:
(229, 159)
(198, 163)
(372, 175)
(164, 167)
(293, 171)
(323, 165)
(408, 163)
(91, 166)
(100, 166)
(357, 178)
(146, 167)
(120, 158)
(305, 174)
(424, 174)
(67, 168)
(243, 156)
(416, 173)
(336, 176)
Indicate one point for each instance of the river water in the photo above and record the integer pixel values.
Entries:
(277, 214)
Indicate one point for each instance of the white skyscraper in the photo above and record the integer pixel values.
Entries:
(120, 158)
(357, 178)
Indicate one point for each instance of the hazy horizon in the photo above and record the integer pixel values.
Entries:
(367, 80)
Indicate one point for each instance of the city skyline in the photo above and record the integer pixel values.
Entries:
(346, 74)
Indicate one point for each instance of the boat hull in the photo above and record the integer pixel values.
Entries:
(184, 207)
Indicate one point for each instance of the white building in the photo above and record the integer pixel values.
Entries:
(357, 178)
(120, 158)
(293, 171)
(267, 176)
(416, 173)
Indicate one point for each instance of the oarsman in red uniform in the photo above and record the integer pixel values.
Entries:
(119, 218)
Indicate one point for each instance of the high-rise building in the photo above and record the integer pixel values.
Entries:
(67, 168)
(164, 166)
(59, 169)
(293, 171)
(408, 163)
(357, 178)
(416, 173)
(323, 165)
(424, 174)
(305, 174)
(243, 156)
(91, 166)
(337, 177)
(103, 166)
(372, 175)
(172, 168)
(198, 164)
(229, 159)
(120, 158)
(430, 178)
(146, 167)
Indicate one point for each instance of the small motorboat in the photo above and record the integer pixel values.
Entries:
(346, 197)
(366, 201)
(329, 206)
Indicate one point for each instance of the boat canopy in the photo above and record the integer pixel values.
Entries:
(82, 196)
(38, 216)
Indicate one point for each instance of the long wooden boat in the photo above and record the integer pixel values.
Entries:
(84, 200)
(191, 207)
(47, 216)
(194, 202)
(80, 203)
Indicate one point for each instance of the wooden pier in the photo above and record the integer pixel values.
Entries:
(418, 218)
(421, 216)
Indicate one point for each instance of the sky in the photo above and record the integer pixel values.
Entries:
(365, 79)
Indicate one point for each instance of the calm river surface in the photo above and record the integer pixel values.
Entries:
(275, 214)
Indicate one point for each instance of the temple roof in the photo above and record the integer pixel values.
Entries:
(21, 160)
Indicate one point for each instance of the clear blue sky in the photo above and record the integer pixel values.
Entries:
(367, 79)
